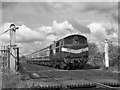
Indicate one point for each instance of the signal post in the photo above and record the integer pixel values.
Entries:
(13, 57)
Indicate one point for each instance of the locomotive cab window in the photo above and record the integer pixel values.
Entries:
(75, 40)
(82, 40)
(67, 41)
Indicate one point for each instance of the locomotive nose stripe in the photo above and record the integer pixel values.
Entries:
(74, 51)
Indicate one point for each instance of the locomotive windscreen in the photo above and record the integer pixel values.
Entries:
(76, 39)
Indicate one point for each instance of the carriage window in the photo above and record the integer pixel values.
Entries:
(57, 44)
(62, 42)
(57, 49)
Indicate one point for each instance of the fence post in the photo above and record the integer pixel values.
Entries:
(17, 59)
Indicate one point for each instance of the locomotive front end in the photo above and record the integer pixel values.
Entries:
(75, 51)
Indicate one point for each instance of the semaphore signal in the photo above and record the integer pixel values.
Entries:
(13, 58)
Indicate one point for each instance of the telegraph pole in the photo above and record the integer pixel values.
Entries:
(12, 47)
(106, 54)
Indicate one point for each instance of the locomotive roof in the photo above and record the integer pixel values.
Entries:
(75, 35)
(70, 36)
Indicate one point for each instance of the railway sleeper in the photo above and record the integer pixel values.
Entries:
(75, 83)
(64, 84)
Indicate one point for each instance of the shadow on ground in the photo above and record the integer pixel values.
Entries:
(88, 66)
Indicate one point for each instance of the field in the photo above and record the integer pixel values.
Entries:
(38, 75)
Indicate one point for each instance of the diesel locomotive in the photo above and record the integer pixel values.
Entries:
(70, 52)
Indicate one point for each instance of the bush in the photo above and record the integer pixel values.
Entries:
(97, 58)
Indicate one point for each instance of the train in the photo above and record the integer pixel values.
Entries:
(70, 52)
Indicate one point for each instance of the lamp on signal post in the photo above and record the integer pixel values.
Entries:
(12, 34)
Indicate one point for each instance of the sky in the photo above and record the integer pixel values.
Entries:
(42, 23)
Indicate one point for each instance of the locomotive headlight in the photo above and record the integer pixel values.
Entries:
(64, 49)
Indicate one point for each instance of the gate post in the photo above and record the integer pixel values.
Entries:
(106, 54)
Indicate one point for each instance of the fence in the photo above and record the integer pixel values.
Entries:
(5, 54)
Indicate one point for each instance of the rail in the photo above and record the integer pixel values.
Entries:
(106, 86)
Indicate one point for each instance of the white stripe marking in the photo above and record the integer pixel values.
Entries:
(74, 51)
(35, 74)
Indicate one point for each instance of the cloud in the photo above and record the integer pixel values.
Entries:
(43, 13)
(35, 39)
(79, 27)
(52, 37)
(57, 30)
(46, 29)
(4, 37)
(44, 33)
(23, 34)
(62, 28)
(97, 31)
(26, 35)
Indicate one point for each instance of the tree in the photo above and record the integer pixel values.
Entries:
(114, 55)
(95, 57)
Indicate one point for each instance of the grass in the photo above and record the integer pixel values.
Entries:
(10, 79)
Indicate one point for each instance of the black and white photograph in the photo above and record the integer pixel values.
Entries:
(59, 45)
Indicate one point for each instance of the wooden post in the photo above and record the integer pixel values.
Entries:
(8, 57)
(17, 59)
(106, 54)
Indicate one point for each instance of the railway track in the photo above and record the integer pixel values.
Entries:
(55, 79)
